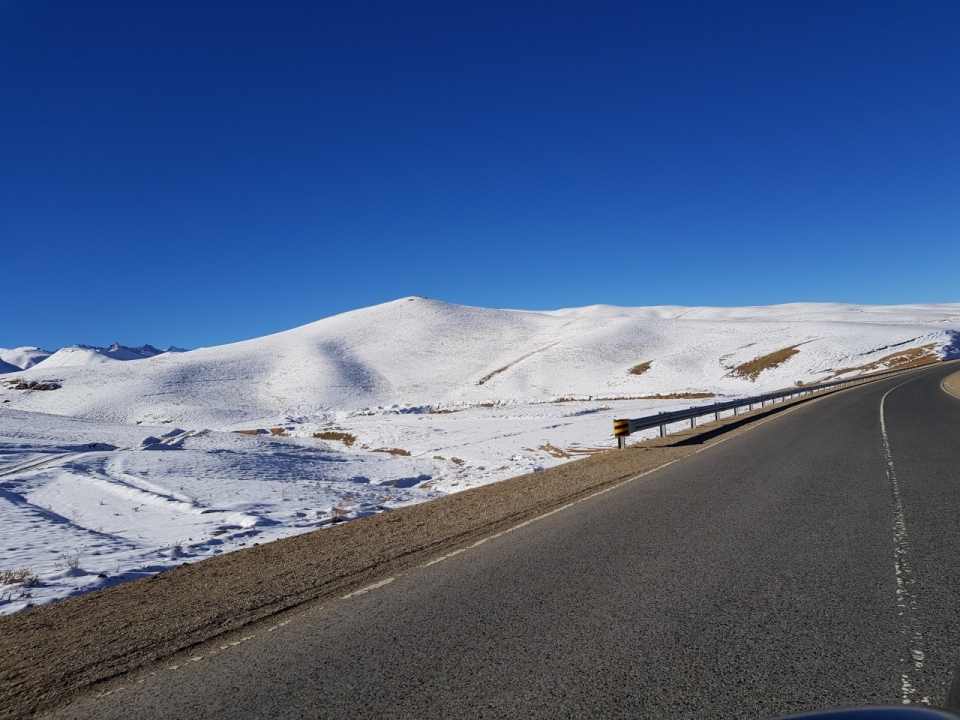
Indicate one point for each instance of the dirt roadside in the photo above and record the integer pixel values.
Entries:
(55, 652)
(952, 384)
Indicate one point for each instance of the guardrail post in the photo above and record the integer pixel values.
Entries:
(716, 416)
(621, 428)
(663, 431)
(693, 423)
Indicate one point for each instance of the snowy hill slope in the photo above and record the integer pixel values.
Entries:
(76, 356)
(22, 358)
(27, 357)
(416, 352)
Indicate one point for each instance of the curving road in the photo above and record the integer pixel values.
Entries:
(813, 561)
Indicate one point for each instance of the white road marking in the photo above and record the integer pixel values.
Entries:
(943, 386)
(906, 599)
(368, 588)
(235, 643)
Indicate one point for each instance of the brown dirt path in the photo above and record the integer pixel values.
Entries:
(52, 653)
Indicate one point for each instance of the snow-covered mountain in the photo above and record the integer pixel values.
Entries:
(415, 352)
(24, 358)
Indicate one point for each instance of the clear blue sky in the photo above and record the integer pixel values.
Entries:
(194, 173)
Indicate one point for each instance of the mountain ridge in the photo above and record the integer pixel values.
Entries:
(417, 352)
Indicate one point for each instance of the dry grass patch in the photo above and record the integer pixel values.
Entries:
(660, 396)
(641, 368)
(248, 432)
(344, 437)
(278, 431)
(554, 451)
(23, 576)
(751, 370)
(394, 451)
(678, 396)
(458, 461)
(912, 357)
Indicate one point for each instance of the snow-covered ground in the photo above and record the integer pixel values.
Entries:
(127, 468)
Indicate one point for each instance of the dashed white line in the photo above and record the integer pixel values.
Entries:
(233, 644)
(368, 588)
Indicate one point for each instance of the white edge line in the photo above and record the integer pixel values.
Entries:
(943, 385)
(906, 600)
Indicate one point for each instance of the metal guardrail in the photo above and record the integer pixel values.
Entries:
(625, 427)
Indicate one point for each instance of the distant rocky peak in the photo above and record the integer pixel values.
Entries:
(143, 350)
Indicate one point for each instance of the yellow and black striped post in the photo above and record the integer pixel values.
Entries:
(621, 428)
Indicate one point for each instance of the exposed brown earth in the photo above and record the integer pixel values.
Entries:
(658, 396)
(641, 368)
(52, 653)
(554, 451)
(678, 396)
(952, 384)
(751, 370)
(344, 437)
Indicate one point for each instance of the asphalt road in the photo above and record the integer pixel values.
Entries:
(803, 564)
